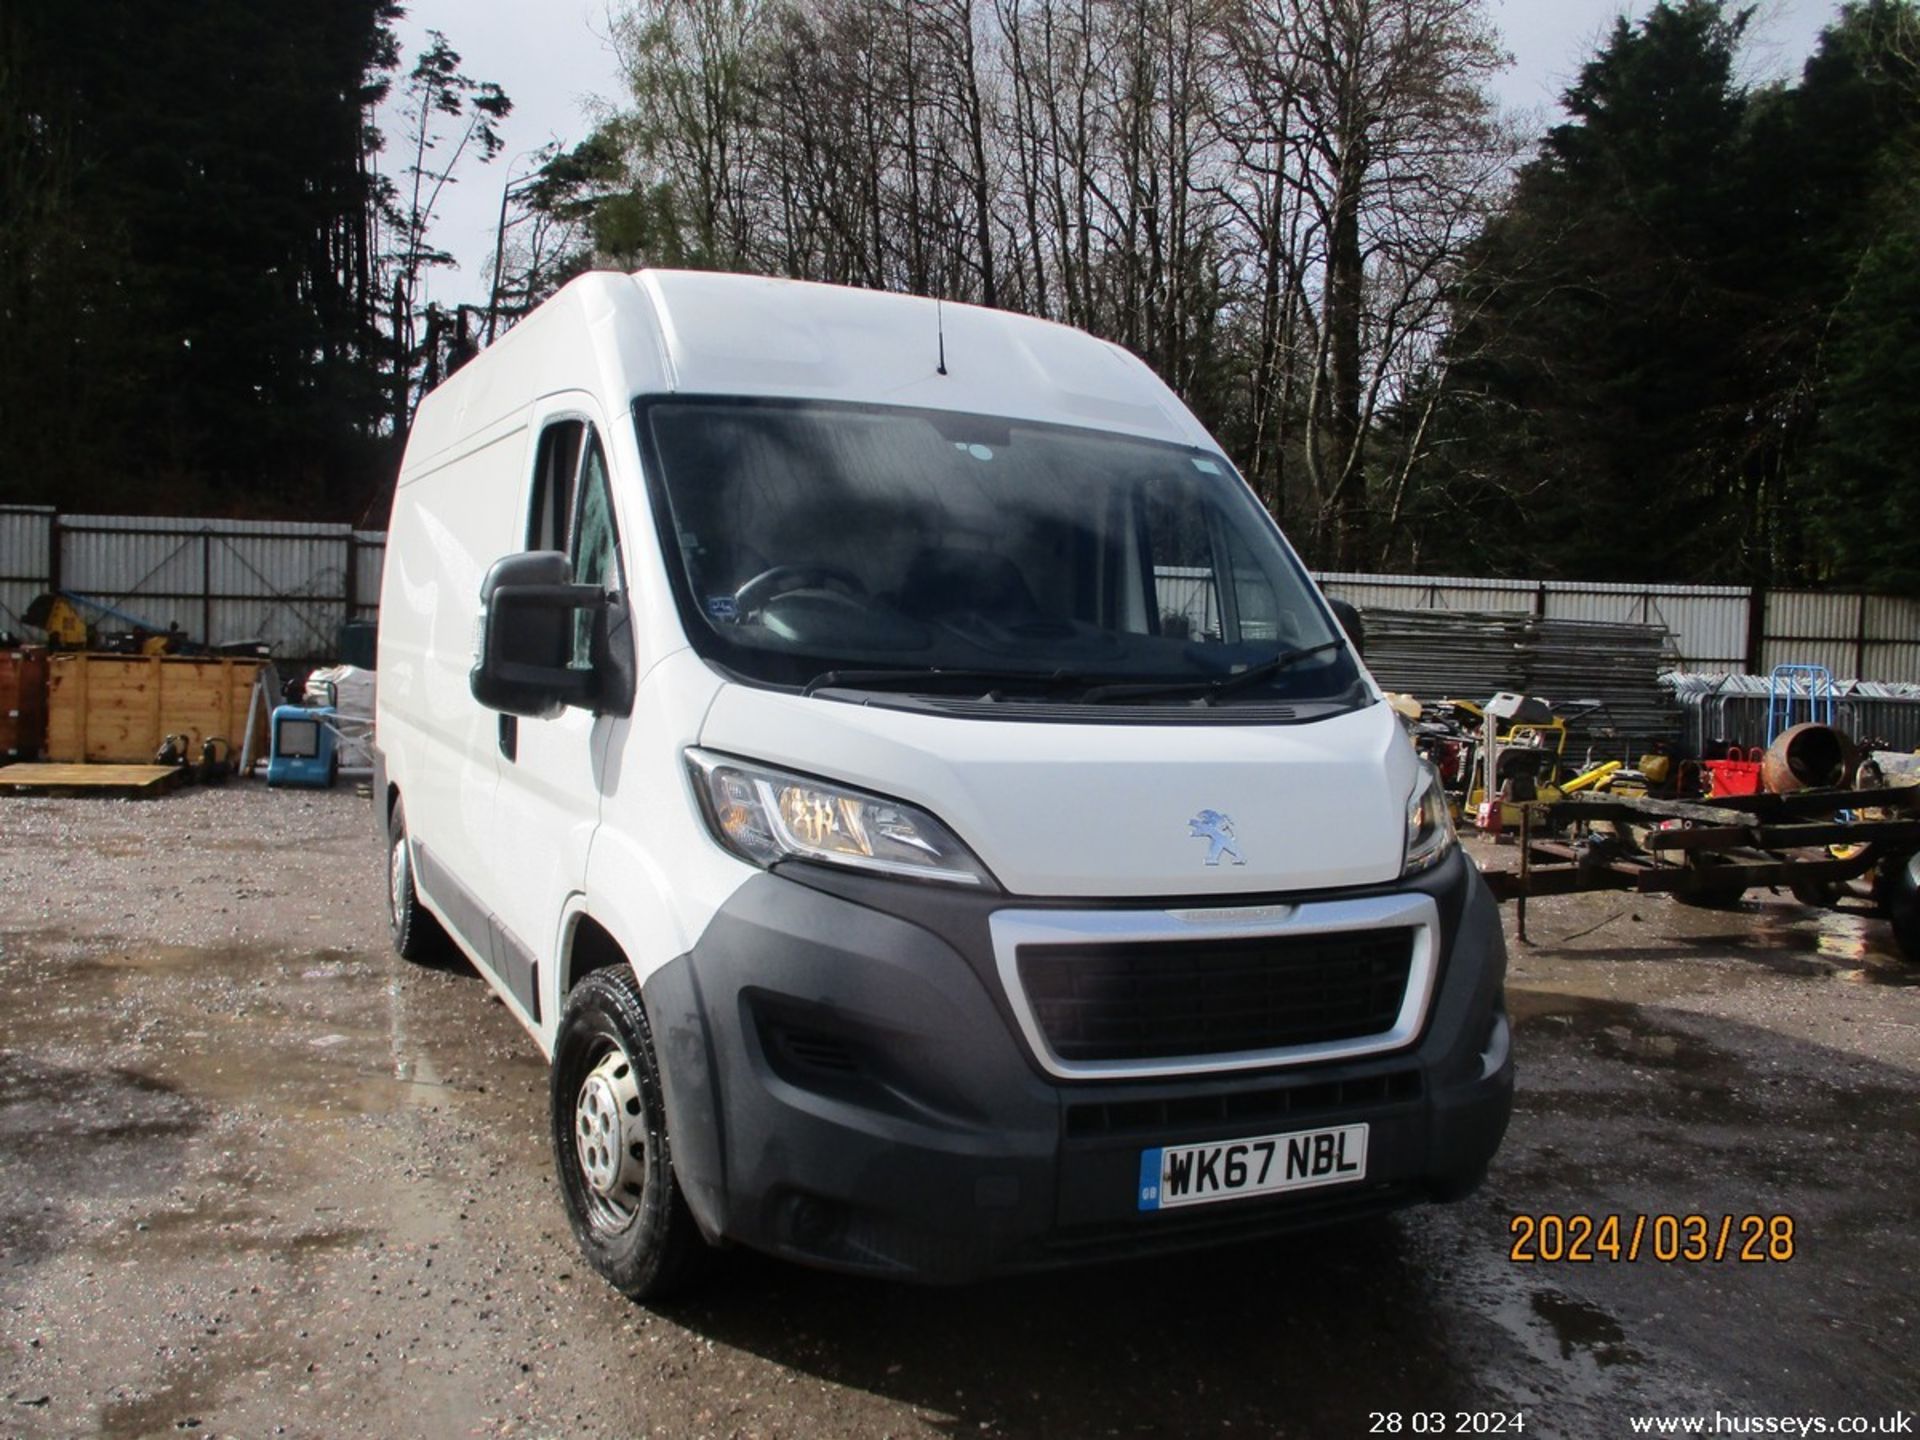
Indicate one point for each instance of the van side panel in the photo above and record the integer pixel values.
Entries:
(441, 747)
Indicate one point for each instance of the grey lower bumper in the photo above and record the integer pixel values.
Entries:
(846, 1087)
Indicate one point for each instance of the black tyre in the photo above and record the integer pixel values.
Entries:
(1711, 897)
(1897, 889)
(417, 935)
(1905, 915)
(611, 1149)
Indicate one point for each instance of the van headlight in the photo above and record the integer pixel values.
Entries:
(1430, 832)
(763, 815)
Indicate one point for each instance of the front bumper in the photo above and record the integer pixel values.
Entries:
(848, 1086)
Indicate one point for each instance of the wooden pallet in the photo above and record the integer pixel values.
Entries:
(116, 782)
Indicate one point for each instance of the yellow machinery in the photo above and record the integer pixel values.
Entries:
(66, 627)
(1521, 743)
(1528, 759)
(1518, 744)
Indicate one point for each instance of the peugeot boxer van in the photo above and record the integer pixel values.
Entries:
(902, 779)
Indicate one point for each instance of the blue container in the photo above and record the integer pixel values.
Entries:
(305, 747)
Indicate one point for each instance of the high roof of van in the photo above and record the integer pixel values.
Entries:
(702, 333)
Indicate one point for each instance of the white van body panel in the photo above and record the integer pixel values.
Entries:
(871, 1072)
(656, 877)
(437, 559)
(594, 816)
(739, 335)
(1104, 810)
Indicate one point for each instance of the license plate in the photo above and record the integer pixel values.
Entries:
(1177, 1175)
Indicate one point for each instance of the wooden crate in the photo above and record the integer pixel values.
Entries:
(23, 704)
(120, 708)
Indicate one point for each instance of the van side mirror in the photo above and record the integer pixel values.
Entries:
(1350, 621)
(527, 607)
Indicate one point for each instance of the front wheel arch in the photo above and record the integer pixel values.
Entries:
(590, 947)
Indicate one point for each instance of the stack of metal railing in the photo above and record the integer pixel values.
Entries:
(1723, 710)
(1440, 655)
(1436, 655)
(1620, 666)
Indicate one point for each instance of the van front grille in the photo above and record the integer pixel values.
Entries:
(1167, 999)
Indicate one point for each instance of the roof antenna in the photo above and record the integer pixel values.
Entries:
(940, 325)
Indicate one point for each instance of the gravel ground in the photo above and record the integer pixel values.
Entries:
(258, 1177)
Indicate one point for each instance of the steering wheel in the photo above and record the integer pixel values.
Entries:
(753, 596)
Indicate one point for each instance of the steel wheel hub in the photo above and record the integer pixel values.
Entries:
(610, 1137)
(396, 877)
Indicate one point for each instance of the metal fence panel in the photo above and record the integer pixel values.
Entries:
(308, 629)
(369, 555)
(148, 571)
(1708, 622)
(25, 538)
(1709, 629)
(1430, 592)
(1841, 657)
(1811, 616)
(1867, 637)
(1891, 619)
(254, 565)
(1897, 661)
(289, 583)
(1609, 607)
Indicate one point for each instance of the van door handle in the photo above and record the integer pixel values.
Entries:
(510, 736)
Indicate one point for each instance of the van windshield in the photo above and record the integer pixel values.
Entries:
(911, 550)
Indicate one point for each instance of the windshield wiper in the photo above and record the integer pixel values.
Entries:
(903, 677)
(1210, 689)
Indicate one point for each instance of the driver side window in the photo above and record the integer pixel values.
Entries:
(571, 510)
(551, 513)
(596, 544)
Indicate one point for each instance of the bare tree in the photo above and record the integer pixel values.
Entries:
(1382, 126)
(1262, 198)
(449, 116)
(689, 65)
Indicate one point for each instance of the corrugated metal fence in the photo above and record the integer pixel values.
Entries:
(1865, 637)
(291, 584)
(1717, 629)
(1711, 624)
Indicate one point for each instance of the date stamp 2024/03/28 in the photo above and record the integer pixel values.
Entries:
(1667, 1239)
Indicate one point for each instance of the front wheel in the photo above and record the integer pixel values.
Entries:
(610, 1144)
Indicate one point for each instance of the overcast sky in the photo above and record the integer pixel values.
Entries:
(554, 61)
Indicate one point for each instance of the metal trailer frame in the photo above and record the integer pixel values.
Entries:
(1814, 842)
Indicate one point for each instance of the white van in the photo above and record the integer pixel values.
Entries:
(902, 778)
